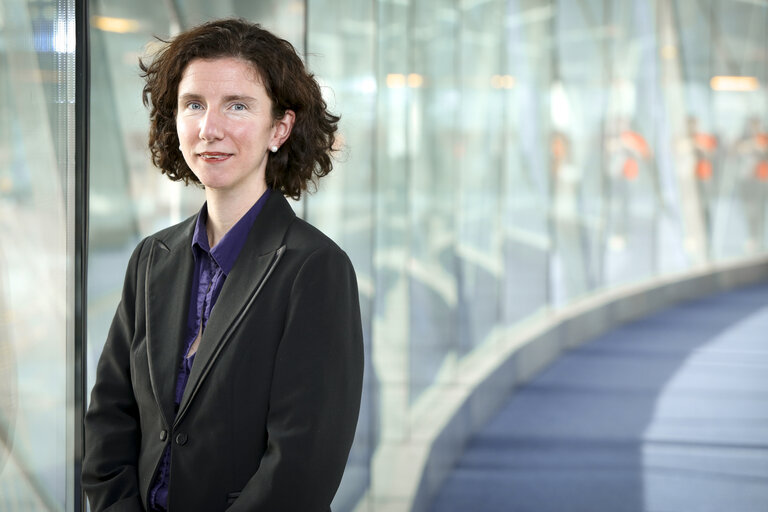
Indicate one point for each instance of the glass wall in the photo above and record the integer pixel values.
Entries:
(501, 160)
(37, 102)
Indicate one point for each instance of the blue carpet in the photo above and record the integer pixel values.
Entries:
(669, 413)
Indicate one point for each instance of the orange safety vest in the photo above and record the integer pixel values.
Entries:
(635, 143)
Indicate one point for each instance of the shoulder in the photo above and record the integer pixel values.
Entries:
(308, 242)
(170, 239)
(303, 235)
(319, 269)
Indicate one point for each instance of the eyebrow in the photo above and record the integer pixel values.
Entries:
(231, 97)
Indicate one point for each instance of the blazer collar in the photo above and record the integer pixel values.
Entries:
(168, 283)
(168, 287)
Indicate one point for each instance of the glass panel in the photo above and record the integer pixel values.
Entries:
(521, 87)
(390, 213)
(431, 85)
(478, 173)
(741, 110)
(341, 45)
(631, 171)
(577, 108)
(37, 43)
(698, 148)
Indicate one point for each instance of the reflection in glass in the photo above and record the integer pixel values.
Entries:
(36, 116)
(340, 36)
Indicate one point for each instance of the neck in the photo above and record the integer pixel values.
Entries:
(226, 207)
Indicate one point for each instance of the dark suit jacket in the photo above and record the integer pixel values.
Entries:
(269, 412)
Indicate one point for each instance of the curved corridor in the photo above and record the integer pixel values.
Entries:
(668, 413)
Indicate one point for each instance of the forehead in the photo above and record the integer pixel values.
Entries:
(211, 75)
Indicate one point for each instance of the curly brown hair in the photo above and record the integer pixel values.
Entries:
(303, 158)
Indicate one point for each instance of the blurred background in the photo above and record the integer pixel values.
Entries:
(502, 160)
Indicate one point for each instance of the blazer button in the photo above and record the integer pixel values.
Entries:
(163, 435)
(181, 439)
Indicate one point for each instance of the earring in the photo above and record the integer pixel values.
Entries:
(273, 149)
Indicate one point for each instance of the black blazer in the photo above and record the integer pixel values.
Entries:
(269, 412)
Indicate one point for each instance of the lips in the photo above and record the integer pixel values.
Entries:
(214, 156)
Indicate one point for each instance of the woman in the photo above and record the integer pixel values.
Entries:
(231, 375)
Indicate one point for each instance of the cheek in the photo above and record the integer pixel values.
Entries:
(183, 131)
(186, 138)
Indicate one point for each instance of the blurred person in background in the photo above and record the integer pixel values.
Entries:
(705, 146)
(752, 151)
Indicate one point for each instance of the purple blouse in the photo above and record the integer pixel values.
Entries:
(211, 269)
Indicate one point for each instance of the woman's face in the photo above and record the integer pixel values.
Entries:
(225, 125)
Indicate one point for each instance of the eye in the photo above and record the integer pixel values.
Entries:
(194, 105)
(239, 107)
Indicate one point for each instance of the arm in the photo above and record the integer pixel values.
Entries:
(112, 433)
(315, 395)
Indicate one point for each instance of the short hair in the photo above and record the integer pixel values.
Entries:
(306, 154)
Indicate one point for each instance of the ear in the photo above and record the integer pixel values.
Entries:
(283, 127)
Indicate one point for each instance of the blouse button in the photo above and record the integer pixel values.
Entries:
(163, 435)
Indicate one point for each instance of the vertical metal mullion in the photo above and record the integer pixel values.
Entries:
(82, 118)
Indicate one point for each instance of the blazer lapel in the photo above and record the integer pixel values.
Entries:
(169, 278)
(259, 257)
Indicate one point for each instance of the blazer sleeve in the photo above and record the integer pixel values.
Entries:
(315, 394)
(112, 434)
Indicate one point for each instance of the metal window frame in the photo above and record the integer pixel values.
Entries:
(77, 372)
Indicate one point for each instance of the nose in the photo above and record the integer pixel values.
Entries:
(211, 128)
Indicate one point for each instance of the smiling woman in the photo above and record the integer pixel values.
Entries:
(225, 127)
(269, 62)
(235, 356)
